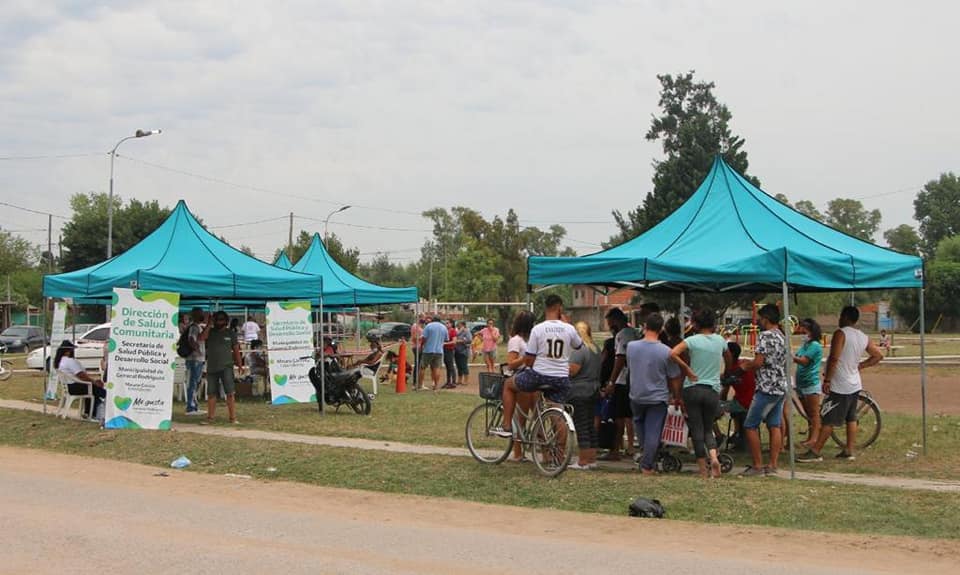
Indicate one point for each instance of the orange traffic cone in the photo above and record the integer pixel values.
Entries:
(402, 367)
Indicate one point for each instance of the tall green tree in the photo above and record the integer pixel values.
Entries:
(849, 216)
(904, 239)
(475, 259)
(16, 253)
(348, 258)
(692, 128)
(937, 208)
(807, 208)
(85, 236)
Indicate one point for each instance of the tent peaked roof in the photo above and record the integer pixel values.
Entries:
(181, 256)
(731, 236)
(283, 261)
(317, 261)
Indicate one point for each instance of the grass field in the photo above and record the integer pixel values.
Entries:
(439, 418)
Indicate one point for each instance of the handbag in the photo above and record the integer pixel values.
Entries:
(674, 428)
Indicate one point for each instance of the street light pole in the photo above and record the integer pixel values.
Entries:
(113, 156)
(326, 221)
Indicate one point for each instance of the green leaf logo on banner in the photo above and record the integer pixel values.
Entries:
(111, 345)
(148, 296)
(114, 298)
(164, 425)
(290, 305)
(123, 403)
(121, 422)
(175, 319)
(280, 379)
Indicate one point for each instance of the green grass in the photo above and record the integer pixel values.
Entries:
(767, 502)
(438, 419)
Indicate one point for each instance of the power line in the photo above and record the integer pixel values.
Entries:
(225, 226)
(48, 157)
(260, 189)
(38, 212)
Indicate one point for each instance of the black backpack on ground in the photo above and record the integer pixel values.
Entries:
(643, 507)
(183, 344)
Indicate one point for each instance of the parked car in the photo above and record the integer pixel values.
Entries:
(75, 331)
(391, 330)
(20, 338)
(475, 326)
(88, 353)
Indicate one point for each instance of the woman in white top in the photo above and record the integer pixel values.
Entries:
(65, 362)
(516, 352)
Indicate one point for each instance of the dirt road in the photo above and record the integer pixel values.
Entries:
(66, 514)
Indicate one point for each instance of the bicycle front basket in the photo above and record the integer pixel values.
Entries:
(491, 385)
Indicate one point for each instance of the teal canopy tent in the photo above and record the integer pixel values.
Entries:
(283, 262)
(347, 289)
(731, 236)
(181, 256)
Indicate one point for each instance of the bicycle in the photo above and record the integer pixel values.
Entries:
(546, 433)
(869, 420)
(6, 366)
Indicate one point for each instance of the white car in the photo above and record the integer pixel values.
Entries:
(88, 353)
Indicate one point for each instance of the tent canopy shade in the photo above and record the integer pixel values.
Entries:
(731, 236)
(181, 256)
(345, 288)
(283, 262)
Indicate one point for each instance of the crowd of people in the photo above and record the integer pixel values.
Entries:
(642, 371)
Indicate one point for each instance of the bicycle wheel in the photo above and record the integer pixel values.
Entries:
(551, 446)
(484, 446)
(6, 370)
(868, 423)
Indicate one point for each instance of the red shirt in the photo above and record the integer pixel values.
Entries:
(451, 342)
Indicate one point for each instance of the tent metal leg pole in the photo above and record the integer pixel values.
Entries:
(923, 374)
(788, 364)
(43, 326)
(323, 363)
(683, 304)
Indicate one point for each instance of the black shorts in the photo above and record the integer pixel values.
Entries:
(621, 402)
(555, 389)
(839, 408)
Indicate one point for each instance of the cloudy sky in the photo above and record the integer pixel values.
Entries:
(398, 106)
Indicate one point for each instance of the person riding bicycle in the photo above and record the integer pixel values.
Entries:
(548, 362)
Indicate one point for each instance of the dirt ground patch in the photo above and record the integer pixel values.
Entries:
(305, 527)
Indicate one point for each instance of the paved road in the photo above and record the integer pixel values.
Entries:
(66, 514)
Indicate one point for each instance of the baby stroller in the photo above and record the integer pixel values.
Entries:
(675, 435)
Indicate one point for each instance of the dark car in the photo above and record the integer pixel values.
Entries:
(391, 330)
(19, 338)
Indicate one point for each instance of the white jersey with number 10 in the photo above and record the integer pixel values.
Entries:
(552, 341)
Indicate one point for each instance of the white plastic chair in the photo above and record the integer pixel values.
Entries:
(382, 372)
(67, 399)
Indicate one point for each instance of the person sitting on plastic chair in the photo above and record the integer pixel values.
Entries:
(65, 362)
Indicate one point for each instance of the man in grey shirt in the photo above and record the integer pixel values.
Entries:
(654, 378)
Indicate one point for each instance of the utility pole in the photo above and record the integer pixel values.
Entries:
(290, 239)
(50, 243)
